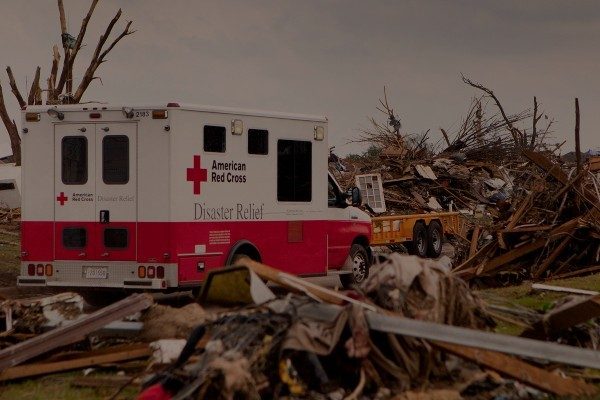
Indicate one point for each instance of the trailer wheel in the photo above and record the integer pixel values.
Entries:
(435, 238)
(419, 241)
(360, 267)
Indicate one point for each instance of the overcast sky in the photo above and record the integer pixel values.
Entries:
(331, 58)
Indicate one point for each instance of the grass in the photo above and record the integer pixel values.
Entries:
(538, 300)
(58, 386)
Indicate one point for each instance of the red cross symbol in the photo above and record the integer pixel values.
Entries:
(62, 198)
(197, 175)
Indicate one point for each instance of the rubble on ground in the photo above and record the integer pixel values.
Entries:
(531, 215)
(307, 341)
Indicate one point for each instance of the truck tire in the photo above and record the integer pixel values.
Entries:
(420, 242)
(360, 267)
(435, 239)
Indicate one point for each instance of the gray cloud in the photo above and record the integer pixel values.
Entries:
(334, 57)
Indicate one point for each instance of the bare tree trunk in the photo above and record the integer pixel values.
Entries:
(577, 142)
(15, 89)
(11, 128)
(35, 93)
(60, 88)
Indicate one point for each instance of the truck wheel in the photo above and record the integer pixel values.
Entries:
(435, 238)
(360, 267)
(419, 241)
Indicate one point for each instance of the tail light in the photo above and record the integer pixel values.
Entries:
(160, 272)
(141, 271)
(49, 269)
(150, 271)
(31, 269)
(40, 269)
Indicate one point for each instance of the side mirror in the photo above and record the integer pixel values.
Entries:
(355, 196)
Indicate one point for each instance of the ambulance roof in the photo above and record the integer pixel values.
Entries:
(177, 106)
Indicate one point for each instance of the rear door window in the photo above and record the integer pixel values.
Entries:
(74, 165)
(115, 159)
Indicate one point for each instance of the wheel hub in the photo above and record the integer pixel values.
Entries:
(359, 268)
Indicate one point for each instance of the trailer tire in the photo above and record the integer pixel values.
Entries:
(360, 267)
(420, 240)
(435, 239)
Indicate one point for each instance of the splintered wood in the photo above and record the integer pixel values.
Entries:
(553, 229)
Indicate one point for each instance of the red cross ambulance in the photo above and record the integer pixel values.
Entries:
(153, 197)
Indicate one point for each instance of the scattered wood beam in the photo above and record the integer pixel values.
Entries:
(74, 331)
(118, 355)
(521, 371)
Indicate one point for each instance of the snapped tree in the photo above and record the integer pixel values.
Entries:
(60, 88)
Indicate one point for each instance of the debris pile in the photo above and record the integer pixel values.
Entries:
(531, 215)
(411, 328)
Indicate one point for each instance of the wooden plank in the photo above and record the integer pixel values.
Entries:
(553, 288)
(579, 272)
(74, 331)
(556, 171)
(474, 241)
(565, 316)
(537, 272)
(521, 251)
(512, 255)
(521, 371)
(496, 342)
(487, 248)
(295, 283)
(29, 370)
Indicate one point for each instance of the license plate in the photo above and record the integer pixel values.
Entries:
(96, 273)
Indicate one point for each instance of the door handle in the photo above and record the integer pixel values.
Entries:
(82, 254)
(104, 255)
(104, 216)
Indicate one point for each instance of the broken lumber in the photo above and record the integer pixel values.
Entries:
(485, 340)
(565, 316)
(121, 354)
(74, 331)
(541, 286)
(521, 371)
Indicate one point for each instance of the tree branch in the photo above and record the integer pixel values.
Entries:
(52, 97)
(99, 57)
(15, 89)
(516, 134)
(67, 70)
(11, 128)
(35, 93)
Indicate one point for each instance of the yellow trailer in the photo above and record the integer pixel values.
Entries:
(423, 232)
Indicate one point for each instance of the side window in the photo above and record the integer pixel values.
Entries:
(258, 141)
(74, 169)
(332, 194)
(214, 139)
(115, 238)
(294, 170)
(115, 159)
(74, 238)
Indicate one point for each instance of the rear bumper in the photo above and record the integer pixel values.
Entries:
(118, 275)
